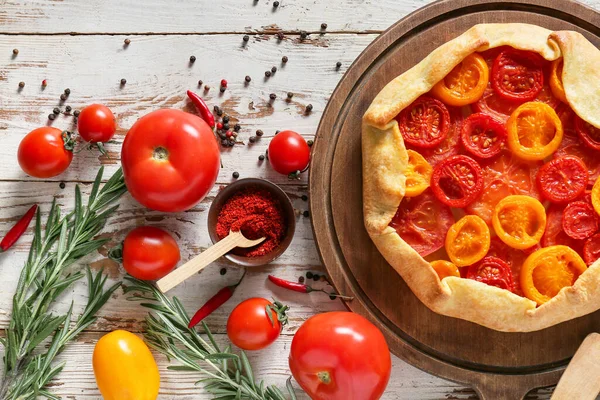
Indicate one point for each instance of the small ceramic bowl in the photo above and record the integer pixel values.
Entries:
(288, 213)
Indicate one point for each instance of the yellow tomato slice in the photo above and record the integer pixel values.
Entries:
(519, 221)
(556, 85)
(467, 241)
(465, 84)
(534, 131)
(546, 271)
(445, 268)
(418, 174)
(596, 196)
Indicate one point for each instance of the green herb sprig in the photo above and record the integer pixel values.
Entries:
(28, 367)
(226, 375)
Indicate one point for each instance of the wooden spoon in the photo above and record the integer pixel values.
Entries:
(233, 240)
(581, 379)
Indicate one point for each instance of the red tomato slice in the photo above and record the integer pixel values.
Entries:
(579, 220)
(492, 271)
(591, 249)
(589, 134)
(513, 257)
(554, 233)
(504, 176)
(450, 145)
(563, 179)
(590, 158)
(482, 135)
(424, 123)
(517, 75)
(423, 222)
(457, 181)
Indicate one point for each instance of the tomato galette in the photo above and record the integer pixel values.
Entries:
(480, 176)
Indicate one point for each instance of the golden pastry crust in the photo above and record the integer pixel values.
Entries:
(385, 160)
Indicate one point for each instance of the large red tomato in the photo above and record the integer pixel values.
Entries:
(149, 253)
(340, 356)
(43, 152)
(170, 160)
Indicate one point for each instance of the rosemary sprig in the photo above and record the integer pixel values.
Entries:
(66, 239)
(226, 375)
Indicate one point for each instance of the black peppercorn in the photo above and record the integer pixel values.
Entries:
(56, 111)
(225, 126)
(267, 73)
(200, 83)
(275, 4)
(303, 35)
(231, 142)
(306, 214)
(127, 41)
(309, 143)
(219, 112)
(67, 91)
(222, 135)
(309, 108)
(332, 296)
(338, 64)
(246, 38)
(235, 175)
(261, 157)
(301, 279)
(247, 78)
(273, 69)
(123, 81)
(224, 142)
(76, 113)
(216, 108)
(323, 26)
(222, 89)
(15, 51)
(284, 59)
(309, 275)
(51, 117)
(316, 277)
(206, 88)
(63, 97)
(223, 271)
(237, 127)
(62, 185)
(304, 197)
(290, 95)
(192, 59)
(68, 109)
(259, 132)
(272, 96)
(21, 84)
(280, 35)
(226, 119)
(252, 139)
(277, 131)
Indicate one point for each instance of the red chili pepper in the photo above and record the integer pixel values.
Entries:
(213, 303)
(203, 108)
(17, 230)
(303, 288)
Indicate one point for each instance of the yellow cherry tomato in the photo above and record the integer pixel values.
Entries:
(418, 174)
(467, 241)
(596, 196)
(124, 368)
(556, 85)
(465, 84)
(546, 271)
(519, 221)
(445, 268)
(534, 131)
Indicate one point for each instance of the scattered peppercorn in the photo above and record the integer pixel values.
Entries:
(223, 83)
(219, 112)
(303, 35)
(216, 108)
(67, 91)
(280, 35)
(316, 277)
(76, 113)
(237, 127)
(223, 271)
(224, 143)
(226, 126)
(246, 38)
(15, 51)
(275, 4)
(323, 26)
(51, 117)
(284, 59)
(219, 126)
(309, 143)
(206, 88)
(62, 185)
(301, 279)
(226, 119)
(247, 78)
(309, 108)
(127, 42)
(272, 96)
(252, 139)
(231, 142)
(309, 275)
(306, 214)
(123, 81)
(267, 73)
(277, 131)
(44, 83)
(222, 89)
(21, 84)
(273, 69)
(234, 134)
(338, 64)
(235, 175)
(200, 82)
(56, 111)
(261, 157)
(259, 132)
(222, 135)
(304, 197)
(290, 95)
(332, 296)
(229, 134)
(192, 59)
(63, 97)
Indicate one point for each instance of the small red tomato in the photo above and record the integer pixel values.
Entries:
(96, 124)
(288, 152)
(43, 152)
(249, 326)
(149, 253)
(340, 356)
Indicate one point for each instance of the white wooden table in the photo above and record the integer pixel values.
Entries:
(79, 44)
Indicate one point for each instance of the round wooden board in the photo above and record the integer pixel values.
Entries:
(499, 365)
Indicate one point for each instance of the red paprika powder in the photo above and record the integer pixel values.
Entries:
(257, 214)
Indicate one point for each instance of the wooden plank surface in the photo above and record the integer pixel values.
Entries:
(79, 44)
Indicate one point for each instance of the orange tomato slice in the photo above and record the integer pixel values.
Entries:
(548, 270)
(534, 131)
(519, 221)
(467, 241)
(418, 174)
(465, 84)
(596, 196)
(445, 268)
(556, 85)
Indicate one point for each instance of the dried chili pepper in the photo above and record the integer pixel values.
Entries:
(203, 108)
(303, 288)
(213, 303)
(17, 230)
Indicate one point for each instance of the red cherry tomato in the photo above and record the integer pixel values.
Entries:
(43, 152)
(249, 326)
(563, 179)
(424, 123)
(492, 271)
(170, 160)
(554, 233)
(483, 136)
(451, 144)
(579, 220)
(591, 249)
(328, 357)
(423, 222)
(288, 153)
(517, 75)
(513, 257)
(589, 134)
(96, 124)
(149, 253)
(457, 181)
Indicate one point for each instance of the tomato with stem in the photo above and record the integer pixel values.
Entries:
(96, 124)
(255, 323)
(45, 152)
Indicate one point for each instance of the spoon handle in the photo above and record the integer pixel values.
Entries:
(581, 379)
(234, 239)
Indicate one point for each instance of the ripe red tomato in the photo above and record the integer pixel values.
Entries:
(513, 257)
(96, 124)
(249, 326)
(451, 144)
(589, 134)
(43, 152)
(554, 233)
(591, 249)
(457, 181)
(424, 123)
(423, 222)
(170, 160)
(579, 220)
(340, 356)
(483, 136)
(492, 271)
(517, 75)
(563, 179)
(288, 152)
(149, 253)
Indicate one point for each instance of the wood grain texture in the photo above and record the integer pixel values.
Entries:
(581, 379)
